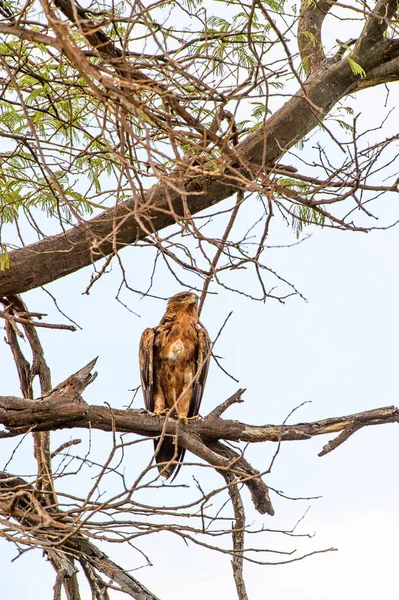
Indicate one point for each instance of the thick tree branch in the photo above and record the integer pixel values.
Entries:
(374, 31)
(64, 408)
(385, 73)
(66, 575)
(100, 561)
(250, 477)
(60, 255)
(168, 203)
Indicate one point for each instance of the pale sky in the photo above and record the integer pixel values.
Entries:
(338, 352)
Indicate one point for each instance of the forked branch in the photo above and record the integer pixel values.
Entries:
(64, 408)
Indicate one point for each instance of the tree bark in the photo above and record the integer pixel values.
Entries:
(57, 256)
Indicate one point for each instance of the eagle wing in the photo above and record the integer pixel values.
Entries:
(146, 360)
(203, 360)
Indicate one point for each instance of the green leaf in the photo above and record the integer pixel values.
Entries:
(302, 216)
(356, 68)
(4, 258)
(311, 37)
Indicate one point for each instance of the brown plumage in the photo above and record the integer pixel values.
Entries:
(174, 361)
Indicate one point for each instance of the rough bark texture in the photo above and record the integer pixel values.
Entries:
(64, 408)
(57, 256)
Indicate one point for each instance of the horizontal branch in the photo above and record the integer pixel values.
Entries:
(63, 412)
(29, 35)
(23, 321)
(64, 408)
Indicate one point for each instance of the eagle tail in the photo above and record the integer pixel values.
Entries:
(168, 458)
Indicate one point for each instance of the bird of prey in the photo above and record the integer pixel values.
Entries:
(174, 360)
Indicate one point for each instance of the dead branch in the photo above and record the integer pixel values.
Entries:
(64, 408)
(238, 535)
(45, 491)
(21, 320)
(76, 548)
(245, 472)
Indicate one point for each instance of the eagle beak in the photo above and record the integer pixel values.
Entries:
(195, 299)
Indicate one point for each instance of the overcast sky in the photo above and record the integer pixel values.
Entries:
(337, 352)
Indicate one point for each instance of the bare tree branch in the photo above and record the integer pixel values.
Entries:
(77, 546)
(238, 533)
(64, 408)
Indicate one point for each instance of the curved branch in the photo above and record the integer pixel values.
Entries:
(311, 18)
(78, 547)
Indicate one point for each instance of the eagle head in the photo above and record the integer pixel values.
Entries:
(183, 300)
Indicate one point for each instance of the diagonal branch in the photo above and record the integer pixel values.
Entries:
(167, 203)
(173, 199)
(243, 470)
(77, 546)
(375, 29)
(385, 73)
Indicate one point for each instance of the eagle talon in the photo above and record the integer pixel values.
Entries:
(161, 411)
(187, 419)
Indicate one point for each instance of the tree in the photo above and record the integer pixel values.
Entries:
(132, 125)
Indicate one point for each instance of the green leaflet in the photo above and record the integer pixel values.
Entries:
(356, 68)
(4, 258)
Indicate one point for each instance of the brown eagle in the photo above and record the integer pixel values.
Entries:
(174, 361)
